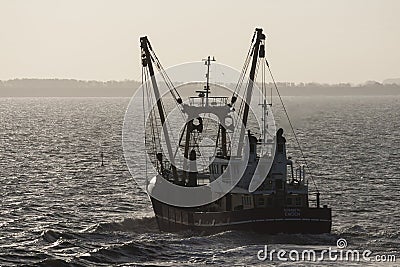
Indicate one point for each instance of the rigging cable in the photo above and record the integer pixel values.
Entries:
(155, 134)
(171, 89)
(291, 126)
(144, 124)
(244, 70)
(243, 102)
(166, 78)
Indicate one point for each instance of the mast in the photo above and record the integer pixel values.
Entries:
(207, 91)
(147, 60)
(264, 106)
(259, 37)
(207, 88)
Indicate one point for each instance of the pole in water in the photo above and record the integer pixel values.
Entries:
(102, 159)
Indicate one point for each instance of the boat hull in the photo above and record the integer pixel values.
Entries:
(263, 220)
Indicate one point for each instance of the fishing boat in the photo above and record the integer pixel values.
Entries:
(270, 193)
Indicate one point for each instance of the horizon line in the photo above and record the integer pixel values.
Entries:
(132, 80)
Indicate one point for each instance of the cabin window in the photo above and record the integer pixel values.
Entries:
(261, 201)
(246, 200)
(289, 201)
(298, 201)
(214, 168)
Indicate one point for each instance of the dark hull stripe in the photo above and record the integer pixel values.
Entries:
(247, 221)
(268, 220)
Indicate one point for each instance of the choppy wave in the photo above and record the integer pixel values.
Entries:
(137, 225)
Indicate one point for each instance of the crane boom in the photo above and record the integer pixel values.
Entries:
(256, 48)
(147, 61)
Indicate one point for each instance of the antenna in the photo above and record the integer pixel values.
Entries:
(207, 87)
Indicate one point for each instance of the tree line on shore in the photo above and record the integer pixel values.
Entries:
(126, 88)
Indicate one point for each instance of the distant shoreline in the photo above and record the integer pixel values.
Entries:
(78, 88)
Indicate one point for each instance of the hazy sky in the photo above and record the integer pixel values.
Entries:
(319, 40)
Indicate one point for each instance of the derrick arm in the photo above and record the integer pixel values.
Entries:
(147, 62)
(257, 53)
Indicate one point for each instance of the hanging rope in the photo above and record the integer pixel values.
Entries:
(291, 126)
